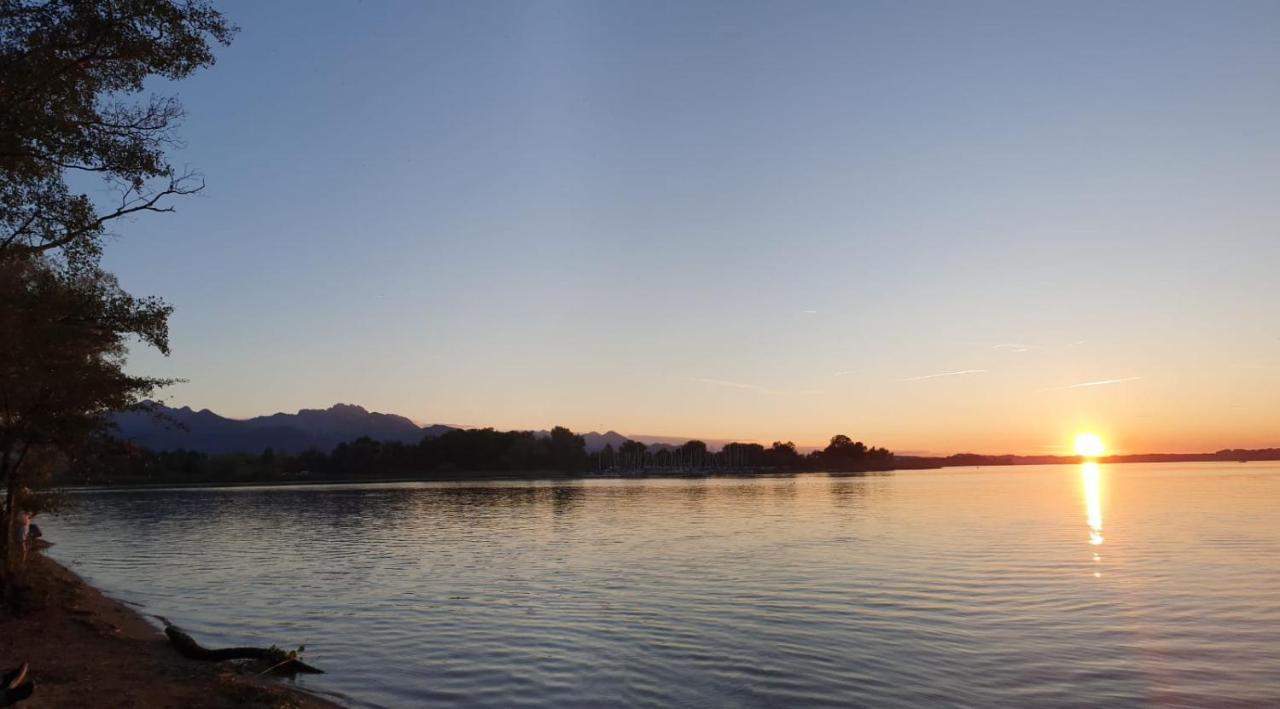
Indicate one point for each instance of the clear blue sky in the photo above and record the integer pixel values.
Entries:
(736, 220)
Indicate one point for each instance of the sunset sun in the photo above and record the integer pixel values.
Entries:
(1089, 445)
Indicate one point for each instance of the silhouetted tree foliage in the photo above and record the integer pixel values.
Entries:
(631, 455)
(844, 454)
(68, 69)
(783, 455)
(568, 450)
(62, 362)
(485, 452)
(458, 453)
(71, 74)
(607, 457)
(691, 455)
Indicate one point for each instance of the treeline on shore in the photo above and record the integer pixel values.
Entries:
(473, 453)
(486, 453)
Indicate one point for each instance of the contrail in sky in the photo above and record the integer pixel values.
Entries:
(725, 383)
(943, 374)
(1102, 382)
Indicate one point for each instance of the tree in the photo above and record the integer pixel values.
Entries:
(692, 454)
(783, 455)
(844, 454)
(840, 442)
(62, 363)
(742, 455)
(66, 70)
(632, 453)
(568, 450)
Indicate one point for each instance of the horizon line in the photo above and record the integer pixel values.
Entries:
(717, 440)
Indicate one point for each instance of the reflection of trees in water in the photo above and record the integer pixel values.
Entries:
(695, 491)
(847, 493)
(238, 509)
(785, 488)
(389, 509)
(855, 489)
(566, 498)
(559, 496)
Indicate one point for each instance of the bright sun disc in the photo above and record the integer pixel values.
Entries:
(1089, 445)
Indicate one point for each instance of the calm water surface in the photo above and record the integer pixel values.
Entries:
(1142, 585)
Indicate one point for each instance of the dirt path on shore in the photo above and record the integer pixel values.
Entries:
(87, 650)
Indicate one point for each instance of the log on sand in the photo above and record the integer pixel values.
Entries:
(277, 660)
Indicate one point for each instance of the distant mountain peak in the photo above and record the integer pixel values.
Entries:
(322, 429)
(348, 409)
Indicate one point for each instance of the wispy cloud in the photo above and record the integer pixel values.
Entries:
(943, 374)
(1012, 347)
(729, 384)
(845, 372)
(809, 312)
(1102, 382)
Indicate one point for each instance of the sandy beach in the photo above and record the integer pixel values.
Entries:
(86, 649)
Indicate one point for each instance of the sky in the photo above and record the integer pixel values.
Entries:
(937, 227)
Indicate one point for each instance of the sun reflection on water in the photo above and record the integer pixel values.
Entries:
(1092, 477)
(1093, 500)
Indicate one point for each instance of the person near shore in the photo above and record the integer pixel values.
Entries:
(24, 532)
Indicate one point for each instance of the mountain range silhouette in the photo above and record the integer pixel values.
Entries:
(321, 429)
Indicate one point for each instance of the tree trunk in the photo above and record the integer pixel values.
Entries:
(10, 526)
(6, 474)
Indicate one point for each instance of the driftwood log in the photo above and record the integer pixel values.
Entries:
(274, 658)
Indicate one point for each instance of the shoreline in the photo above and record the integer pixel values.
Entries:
(552, 477)
(87, 649)
(482, 478)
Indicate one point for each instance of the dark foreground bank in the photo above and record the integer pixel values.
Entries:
(88, 650)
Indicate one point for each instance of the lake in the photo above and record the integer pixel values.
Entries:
(1052, 586)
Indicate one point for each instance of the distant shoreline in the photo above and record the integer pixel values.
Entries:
(1228, 455)
(553, 476)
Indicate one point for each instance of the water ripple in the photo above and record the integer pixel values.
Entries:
(1146, 585)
